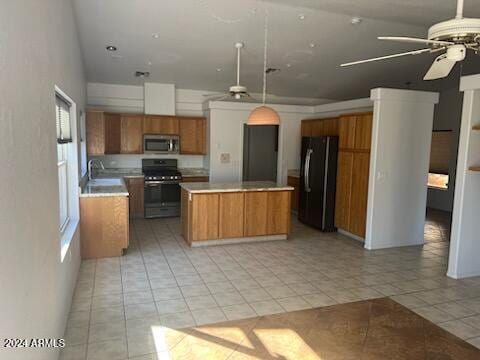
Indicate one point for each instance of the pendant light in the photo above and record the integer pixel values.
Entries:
(264, 115)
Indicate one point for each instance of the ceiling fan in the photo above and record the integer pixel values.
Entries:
(456, 36)
(236, 91)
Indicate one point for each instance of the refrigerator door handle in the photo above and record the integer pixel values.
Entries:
(307, 170)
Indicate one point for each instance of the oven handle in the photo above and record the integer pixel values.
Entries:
(156, 183)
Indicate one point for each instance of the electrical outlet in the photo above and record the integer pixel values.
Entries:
(225, 158)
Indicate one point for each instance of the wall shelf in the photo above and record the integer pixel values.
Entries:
(474, 168)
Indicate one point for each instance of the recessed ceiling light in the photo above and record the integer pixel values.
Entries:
(155, 36)
(312, 45)
(219, 69)
(111, 48)
(301, 17)
(289, 65)
(149, 63)
(356, 20)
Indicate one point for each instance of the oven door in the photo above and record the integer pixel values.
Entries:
(162, 199)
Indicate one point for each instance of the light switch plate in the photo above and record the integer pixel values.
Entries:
(225, 158)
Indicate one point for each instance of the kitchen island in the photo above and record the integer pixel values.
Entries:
(222, 213)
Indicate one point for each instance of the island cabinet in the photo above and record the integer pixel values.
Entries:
(135, 186)
(234, 215)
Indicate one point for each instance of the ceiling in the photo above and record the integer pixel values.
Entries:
(196, 37)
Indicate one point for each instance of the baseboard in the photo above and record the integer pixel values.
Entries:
(350, 235)
(238, 240)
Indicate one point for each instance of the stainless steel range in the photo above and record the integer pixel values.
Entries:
(162, 189)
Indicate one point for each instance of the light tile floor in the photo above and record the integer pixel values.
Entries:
(120, 303)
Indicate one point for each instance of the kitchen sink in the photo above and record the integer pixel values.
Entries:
(105, 182)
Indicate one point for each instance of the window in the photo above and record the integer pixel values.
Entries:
(440, 159)
(67, 161)
(64, 138)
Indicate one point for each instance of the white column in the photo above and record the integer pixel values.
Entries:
(399, 162)
(464, 258)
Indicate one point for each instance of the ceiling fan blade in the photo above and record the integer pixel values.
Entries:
(415, 52)
(415, 40)
(440, 68)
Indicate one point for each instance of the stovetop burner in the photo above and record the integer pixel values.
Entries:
(160, 169)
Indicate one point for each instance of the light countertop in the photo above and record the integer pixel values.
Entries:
(191, 172)
(91, 190)
(206, 187)
(134, 172)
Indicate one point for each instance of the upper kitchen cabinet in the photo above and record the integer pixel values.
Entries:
(363, 131)
(193, 136)
(95, 131)
(131, 134)
(112, 133)
(161, 125)
(355, 132)
(320, 127)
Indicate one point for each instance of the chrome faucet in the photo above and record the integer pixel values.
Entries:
(90, 167)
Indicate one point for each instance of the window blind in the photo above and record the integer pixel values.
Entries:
(64, 132)
(440, 152)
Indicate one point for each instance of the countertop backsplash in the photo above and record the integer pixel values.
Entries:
(135, 161)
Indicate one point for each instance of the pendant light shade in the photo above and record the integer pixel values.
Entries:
(263, 115)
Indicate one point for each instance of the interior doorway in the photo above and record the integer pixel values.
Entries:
(260, 152)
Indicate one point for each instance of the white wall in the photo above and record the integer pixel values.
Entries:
(399, 161)
(226, 136)
(39, 49)
(448, 114)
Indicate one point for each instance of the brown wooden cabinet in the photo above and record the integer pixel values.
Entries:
(195, 179)
(95, 132)
(135, 188)
(131, 134)
(104, 226)
(278, 212)
(256, 212)
(193, 136)
(363, 132)
(231, 215)
(204, 216)
(161, 125)
(344, 189)
(293, 181)
(112, 133)
(358, 206)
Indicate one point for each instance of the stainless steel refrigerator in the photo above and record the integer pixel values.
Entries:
(318, 177)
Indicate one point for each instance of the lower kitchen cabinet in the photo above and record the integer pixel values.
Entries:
(256, 212)
(195, 179)
(104, 226)
(231, 215)
(278, 212)
(135, 188)
(293, 182)
(205, 216)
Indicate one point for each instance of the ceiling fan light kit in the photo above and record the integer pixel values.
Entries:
(455, 36)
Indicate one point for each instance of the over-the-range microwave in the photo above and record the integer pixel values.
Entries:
(161, 144)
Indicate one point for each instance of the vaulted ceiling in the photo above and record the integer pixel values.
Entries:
(186, 41)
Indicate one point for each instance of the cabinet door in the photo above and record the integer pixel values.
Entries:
(363, 132)
(136, 190)
(193, 136)
(278, 212)
(346, 132)
(256, 212)
(132, 134)
(195, 179)
(231, 213)
(95, 131)
(344, 190)
(293, 181)
(317, 128)
(306, 128)
(161, 125)
(112, 134)
(358, 207)
(204, 216)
